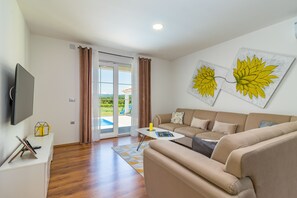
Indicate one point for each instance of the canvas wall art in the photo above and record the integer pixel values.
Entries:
(255, 75)
(206, 81)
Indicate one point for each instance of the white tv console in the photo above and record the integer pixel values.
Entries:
(26, 176)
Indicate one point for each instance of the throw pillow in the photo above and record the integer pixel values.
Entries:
(201, 124)
(225, 128)
(265, 123)
(205, 147)
(177, 117)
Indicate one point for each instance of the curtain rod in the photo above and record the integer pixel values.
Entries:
(114, 62)
(116, 54)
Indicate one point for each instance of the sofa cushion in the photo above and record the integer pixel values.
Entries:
(188, 115)
(177, 117)
(232, 118)
(253, 120)
(206, 115)
(171, 126)
(189, 131)
(224, 128)
(265, 123)
(210, 135)
(231, 142)
(198, 123)
(205, 147)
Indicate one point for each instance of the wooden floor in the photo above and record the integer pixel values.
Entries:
(88, 171)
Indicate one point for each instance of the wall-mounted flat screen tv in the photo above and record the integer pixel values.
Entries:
(22, 95)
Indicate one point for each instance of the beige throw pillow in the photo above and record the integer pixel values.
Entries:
(201, 124)
(177, 117)
(225, 128)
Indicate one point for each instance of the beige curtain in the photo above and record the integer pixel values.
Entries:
(144, 92)
(85, 95)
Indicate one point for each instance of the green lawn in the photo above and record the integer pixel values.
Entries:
(106, 104)
(108, 111)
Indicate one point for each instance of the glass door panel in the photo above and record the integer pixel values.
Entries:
(115, 95)
(106, 91)
(124, 99)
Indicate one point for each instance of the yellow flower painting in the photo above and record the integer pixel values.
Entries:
(204, 81)
(207, 81)
(255, 75)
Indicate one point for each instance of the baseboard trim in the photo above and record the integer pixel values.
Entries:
(76, 143)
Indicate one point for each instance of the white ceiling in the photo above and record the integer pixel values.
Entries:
(189, 25)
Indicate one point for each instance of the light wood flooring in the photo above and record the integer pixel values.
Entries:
(94, 171)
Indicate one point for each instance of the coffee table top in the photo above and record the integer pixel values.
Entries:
(152, 134)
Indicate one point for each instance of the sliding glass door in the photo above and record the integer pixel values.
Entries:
(115, 99)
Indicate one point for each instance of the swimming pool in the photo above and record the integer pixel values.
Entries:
(104, 122)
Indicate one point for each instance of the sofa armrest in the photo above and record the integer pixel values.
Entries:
(271, 162)
(156, 121)
(161, 119)
(202, 166)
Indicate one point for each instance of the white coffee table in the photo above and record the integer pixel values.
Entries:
(152, 134)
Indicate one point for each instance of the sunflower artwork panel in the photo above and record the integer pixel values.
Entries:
(206, 81)
(255, 75)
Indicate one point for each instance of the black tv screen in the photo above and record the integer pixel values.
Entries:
(22, 95)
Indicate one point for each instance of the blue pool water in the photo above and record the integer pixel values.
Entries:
(104, 122)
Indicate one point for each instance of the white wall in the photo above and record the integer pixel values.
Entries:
(14, 39)
(56, 70)
(278, 38)
(161, 86)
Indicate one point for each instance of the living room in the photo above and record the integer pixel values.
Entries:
(44, 37)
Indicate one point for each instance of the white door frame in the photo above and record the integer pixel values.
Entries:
(115, 132)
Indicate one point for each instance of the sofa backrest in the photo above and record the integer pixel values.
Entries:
(206, 115)
(254, 119)
(245, 122)
(232, 118)
(187, 116)
(232, 142)
(293, 118)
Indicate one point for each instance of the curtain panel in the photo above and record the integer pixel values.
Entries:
(85, 55)
(135, 98)
(144, 92)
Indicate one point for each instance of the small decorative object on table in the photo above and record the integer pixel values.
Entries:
(151, 127)
(41, 129)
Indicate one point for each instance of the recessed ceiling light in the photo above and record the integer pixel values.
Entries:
(158, 26)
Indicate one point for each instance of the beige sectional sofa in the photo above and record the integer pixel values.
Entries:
(244, 122)
(254, 162)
